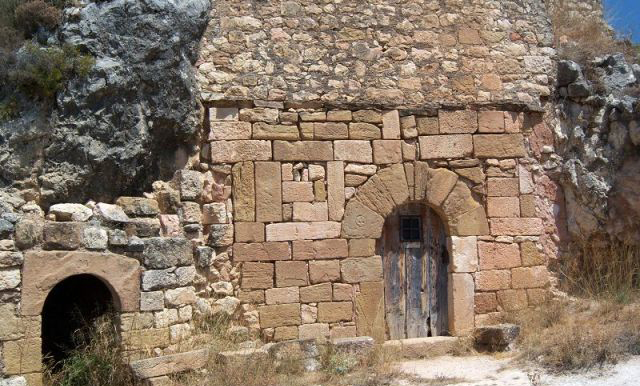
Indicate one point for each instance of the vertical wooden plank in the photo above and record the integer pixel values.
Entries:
(394, 279)
(438, 263)
(417, 324)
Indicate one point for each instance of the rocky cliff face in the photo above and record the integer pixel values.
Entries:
(598, 137)
(130, 122)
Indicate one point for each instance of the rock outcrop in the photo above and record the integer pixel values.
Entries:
(598, 137)
(130, 122)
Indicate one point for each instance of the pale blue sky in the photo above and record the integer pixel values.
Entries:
(624, 15)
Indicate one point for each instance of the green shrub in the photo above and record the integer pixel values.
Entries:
(42, 71)
(36, 14)
(9, 109)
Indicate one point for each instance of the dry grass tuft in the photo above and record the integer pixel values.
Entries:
(573, 335)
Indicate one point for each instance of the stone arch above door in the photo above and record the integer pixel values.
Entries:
(43, 270)
(396, 185)
(464, 218)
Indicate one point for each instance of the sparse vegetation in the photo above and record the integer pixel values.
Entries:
(97, 360)
(34, 15)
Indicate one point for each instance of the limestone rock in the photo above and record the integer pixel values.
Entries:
(70, 212)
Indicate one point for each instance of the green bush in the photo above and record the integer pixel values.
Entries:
(36, 14)
(40, 72)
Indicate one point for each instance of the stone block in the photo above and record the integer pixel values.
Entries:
(335, 190)
(530, 277)
(110, 213)
(70, 212)
(472, 223)
(63, 235)
(362, 247)
(330, 130)
(316, 293)
(464, 254)
(491, 122)
(95, 238)
(361, 269)
(151, 301)
(9, 279)
(28, 232)
(257, 275)
(370, 116)
(259, 114)
(391, 125)
(316, 172)
(339, 116)
(170, 364)
(311, 116)
(342, 332)
(220, 235)
(375, 195)
(537, 296)
(249, 232)
(458, 122)
(244, 193)
(263, 130)
(502, 187)
(485, 302)
(498, 145)
(282, 295)
(395, 182)
(303, 151)
(512, 300)
(138, 206)
(409, 150)
(319, 190)
(166, 252)
(285, 333)
(292, 274)
(513, 122)
(180, 296)
(268, 192)
(293, 191)
(459, 201)
(228, 130)
(333, 312)
(214, 213)
(22, 356)
(360, 222)
(353, 151)
(320, 249)
(387, 151)
(155, 279)
(269, 251)
(324, 271)
(498, 255)
(364, 131)
(528, 206)
(445, 146)
(239, 151)
(427, 125)
(530, 254)
(503, 207)
(279, 315)
(370, 310)
(309, 313)
(303, 231)
(493, 280)
(461, 296)
(251, 297)
(190, 212)
(310, 211)
(516, 227)
(318, 331)
(146, 339)
(440, 183)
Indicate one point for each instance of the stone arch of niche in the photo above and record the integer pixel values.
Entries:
(43, 270)
(463, 215)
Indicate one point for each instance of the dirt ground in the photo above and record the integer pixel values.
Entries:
(494, 371)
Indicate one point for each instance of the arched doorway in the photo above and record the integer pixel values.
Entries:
(72, 304)
(416, 262)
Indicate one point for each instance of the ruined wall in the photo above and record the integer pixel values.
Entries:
(390, 53)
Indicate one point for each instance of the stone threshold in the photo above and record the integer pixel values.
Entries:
(429, 347)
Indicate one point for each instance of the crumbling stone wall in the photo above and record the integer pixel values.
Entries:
(409, 53)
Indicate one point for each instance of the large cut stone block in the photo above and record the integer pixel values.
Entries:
(324, 271)
(303, 151)
(63, 235)
(268, 192)
(284, 295)
(303, 231)
(498, 255)
(22, 356)
(503, 206)
(458, 122)
(461, 297)
(335, 187)
(316, 293)
(292, 273)
(440, 182)
(361, 222)
(294, 191)
(375, 195)
(530, 277)
(491, 121)
(459, 201)
(310, 211)
(249, 232)
(238, 151)
(464, 254)
(279, 315)
(391, 125)
(266, 131)
(166, 252)
(471, 223)
(257, 275)
(387, 151)
(516, 227)
(353, 151)
(362, 247)
(333, 312)
(366, 131)
(320, 249)
(228, 130)
(370, 311)
(170, 364)
(493, 280)
(244, 192)
(498, 145)
(330, 130)
(445, 146)
(361, 269)
(395, 182)
(270, 251)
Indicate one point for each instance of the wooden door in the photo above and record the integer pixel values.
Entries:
(413, 247)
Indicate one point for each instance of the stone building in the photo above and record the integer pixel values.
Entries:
(363, 168)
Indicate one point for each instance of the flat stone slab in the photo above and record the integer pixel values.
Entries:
(170, 364)
(361, 345)
(496, 338)
(422, 347)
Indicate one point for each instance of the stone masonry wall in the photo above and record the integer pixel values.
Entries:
(395, 54)
(309, 191)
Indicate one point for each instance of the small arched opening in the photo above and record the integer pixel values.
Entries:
(71, 306)
(416, 265)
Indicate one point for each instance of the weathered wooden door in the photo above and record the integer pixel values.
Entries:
(415, 256)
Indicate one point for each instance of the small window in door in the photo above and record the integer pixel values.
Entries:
(410, 228)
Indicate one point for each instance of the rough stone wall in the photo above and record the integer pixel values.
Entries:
(378, 53)
(592, 9)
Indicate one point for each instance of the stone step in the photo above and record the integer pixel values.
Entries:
(169, 364)
(416, 348)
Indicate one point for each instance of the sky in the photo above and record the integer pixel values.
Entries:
(624, 16)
